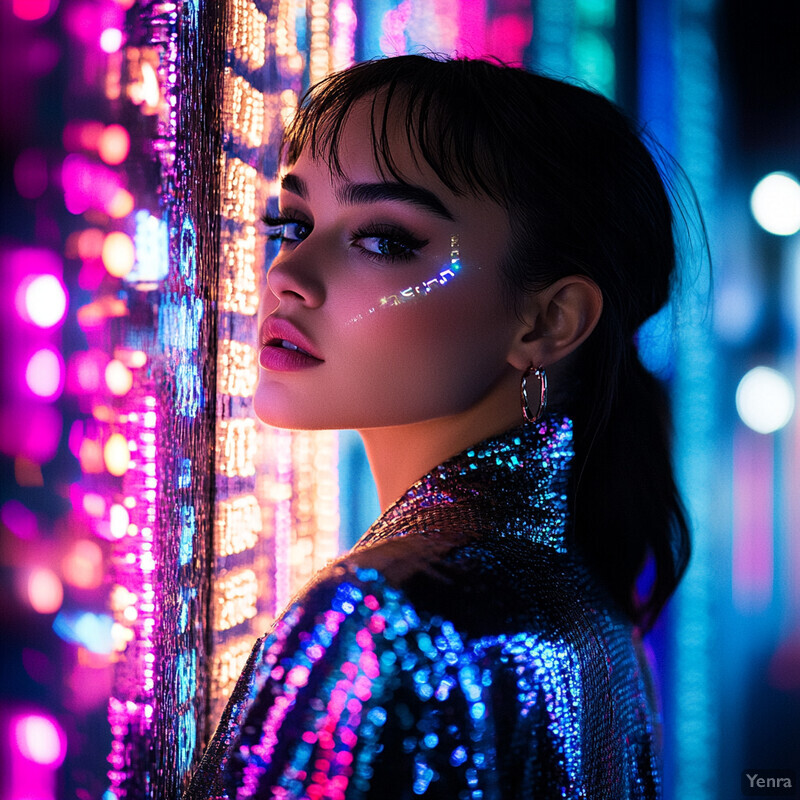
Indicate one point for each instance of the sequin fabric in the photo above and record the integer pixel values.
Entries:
(460, 650)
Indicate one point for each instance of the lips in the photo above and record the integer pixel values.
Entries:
(284, 348)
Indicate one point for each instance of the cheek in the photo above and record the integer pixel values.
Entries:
(439, 353)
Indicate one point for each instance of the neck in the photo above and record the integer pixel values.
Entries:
(400, 455)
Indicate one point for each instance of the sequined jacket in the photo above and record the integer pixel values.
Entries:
(460, 650)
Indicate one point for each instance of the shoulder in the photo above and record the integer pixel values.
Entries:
(484, 584)
(418, 649)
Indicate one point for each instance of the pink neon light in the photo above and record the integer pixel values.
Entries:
(45, 591)
(19, 519)
(471, 38)
(31, 430)
(88, 185)
(31, 9)
(42, 300)
(40, 739)
(509, 35)
(45, 374)
(753, 487)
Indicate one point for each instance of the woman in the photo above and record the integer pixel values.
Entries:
(453, 236)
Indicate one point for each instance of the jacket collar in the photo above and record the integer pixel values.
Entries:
(514, 484)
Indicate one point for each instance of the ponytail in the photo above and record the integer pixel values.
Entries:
(628, 511)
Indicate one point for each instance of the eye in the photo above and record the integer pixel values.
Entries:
(286, 229)
(388, 243)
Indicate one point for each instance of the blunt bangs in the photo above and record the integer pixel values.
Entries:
(437, 104)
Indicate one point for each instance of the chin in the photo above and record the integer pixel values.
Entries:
(281, 413)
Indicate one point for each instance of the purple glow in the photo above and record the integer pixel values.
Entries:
(19, 519)
(30, 173)
(40, 739)
(472, 16)
(509, 35)
(88, 185)
(45, 373)
(33, 9)
(42, 300)
(753, 493)
(31, 430)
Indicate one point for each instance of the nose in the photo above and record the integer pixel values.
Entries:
(293, 278)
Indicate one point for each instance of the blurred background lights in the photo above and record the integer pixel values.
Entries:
(45, 592)
(111, 40)
(19, 519)
(765, 400)
(118, 521)
(43, 300)
(118, 254)
(121, 204)
(116, 454)
(775, 203)
(83, 565)
(40, 739)
(33, 9)
(119, 378)
(45, 374)
(93, 631)
(114, 144)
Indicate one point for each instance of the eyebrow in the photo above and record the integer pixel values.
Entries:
(357, 193)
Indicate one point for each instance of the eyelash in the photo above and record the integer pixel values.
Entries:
(379, 230)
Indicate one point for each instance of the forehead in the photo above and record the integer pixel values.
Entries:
(371, 141)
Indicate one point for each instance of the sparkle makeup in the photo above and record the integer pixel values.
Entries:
(410, 293)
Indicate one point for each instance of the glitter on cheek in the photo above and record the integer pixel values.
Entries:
(445, 276)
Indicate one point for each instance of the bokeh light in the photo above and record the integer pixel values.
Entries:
(119, 378)
(118, 254)
(42, 300)
(765, 400)
(45, 592)
(32, 9)
(121, 204)
(45, 373)
(775, 203)
(111, 40)
(90, 243)
(114, 144)
(40, 739)
(116, 454)
(118, 520)
(83, 565)
(92, 631)
(19, 519)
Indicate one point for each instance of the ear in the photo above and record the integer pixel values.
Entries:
(556, 320)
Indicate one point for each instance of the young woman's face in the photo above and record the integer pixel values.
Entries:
(392, 293)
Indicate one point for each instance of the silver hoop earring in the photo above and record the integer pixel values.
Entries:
(527, 414)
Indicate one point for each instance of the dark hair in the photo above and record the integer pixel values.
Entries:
(585, 198)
